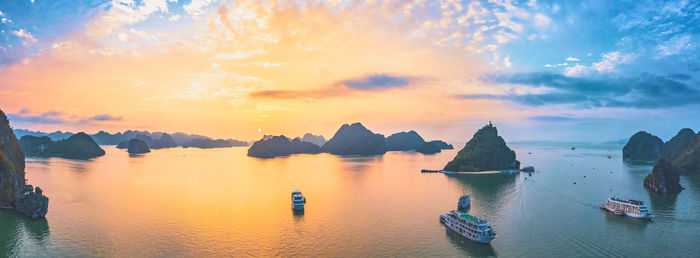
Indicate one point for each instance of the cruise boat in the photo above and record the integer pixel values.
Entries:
(298, 201)
(464, 202)
(632, 208)
(469, 226)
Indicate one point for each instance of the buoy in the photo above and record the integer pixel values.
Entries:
(584, 176)
(574, 182)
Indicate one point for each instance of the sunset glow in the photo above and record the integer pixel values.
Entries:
(227, 68)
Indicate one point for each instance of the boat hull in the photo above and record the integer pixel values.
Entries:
(621, 213)
(479, 239)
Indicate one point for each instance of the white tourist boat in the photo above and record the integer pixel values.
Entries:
(469, 226)
(632, 208)
(298, 201)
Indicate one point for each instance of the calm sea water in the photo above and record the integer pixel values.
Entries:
(219, 202)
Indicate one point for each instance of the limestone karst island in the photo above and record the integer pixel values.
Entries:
(349, 128)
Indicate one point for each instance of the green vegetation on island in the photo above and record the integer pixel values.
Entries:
(14, 193)
(485, 151)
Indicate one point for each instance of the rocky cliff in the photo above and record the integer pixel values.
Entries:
(678, 143)
(32, 202)
(485, 151)
(355, 139)
(14, 193)
(688, 161)
(643, 146)
(404, 141)
(11, 164)
(664, 178)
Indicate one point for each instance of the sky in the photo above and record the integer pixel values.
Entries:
(588, 71)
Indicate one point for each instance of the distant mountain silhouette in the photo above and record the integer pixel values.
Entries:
(281, 146)
(404, 141)
(77, 146)
(355, 139)
(165, 141)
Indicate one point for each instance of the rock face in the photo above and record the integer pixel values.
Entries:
(137, 146)
(165, 141)
(428, 148)
(643, 146)
(32, 203)
(664, 178)
(77, 146)
(404, 141)
(485, 151)
(442, 145)
(315, 139)
(355, 139)
(281, 146)
(688, 161)
(11, 164)
(13, 191)
(678, 143)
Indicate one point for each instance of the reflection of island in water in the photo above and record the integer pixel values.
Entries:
(662, 202)
(18, 232)
(473, 249)
(484, 184)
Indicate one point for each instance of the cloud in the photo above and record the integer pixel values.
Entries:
(572, 59)
(506, 62)
(607, 64)
(647, 91)
(105, 117)
(374, 82)
(58, 117)
(377, 82)
(28, 38)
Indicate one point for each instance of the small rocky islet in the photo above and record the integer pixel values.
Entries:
(485, 151)
(137, 146)
(664, 178)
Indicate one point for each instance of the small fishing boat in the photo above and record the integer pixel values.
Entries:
(464, 202)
